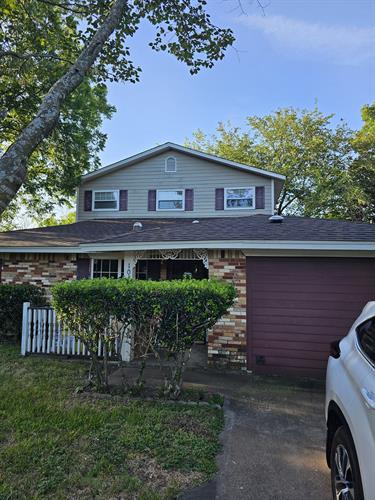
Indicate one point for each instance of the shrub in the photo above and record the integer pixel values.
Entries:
(87, 307)
(12, 298)
(168, 314)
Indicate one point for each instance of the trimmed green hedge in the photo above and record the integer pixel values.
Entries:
(185, 308)
(12, 298)
(168, 314)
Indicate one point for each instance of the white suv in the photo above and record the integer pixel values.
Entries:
(350, 411)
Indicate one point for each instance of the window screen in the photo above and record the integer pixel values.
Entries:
(239, 198)
(105, 200)
(170, 200)
(105, 268)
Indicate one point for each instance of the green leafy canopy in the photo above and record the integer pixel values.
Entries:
(363, 168)
(300, 144)
(39, 42)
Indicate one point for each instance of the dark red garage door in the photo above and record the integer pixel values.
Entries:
(297, 306)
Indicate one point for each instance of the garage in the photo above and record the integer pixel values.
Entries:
(296, 306)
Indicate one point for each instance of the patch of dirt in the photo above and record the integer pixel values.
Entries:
(158, 478)
(185, 423)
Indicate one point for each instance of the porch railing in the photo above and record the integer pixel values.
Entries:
(43, 333)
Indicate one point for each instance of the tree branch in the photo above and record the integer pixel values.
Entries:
(17, 55)
(65, 6)
(13, 164)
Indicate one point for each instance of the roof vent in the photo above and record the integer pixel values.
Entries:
(195, 221)
(137, 226)
(276, 218)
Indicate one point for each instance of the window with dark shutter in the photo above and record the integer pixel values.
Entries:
(259, 197)
(152, 200)
(219, 199)
(189, 200)
(123, 200)
(87, 201)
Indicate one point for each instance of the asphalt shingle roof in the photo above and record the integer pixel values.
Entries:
(251, 228)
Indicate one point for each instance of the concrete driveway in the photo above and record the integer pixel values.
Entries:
(274, 440)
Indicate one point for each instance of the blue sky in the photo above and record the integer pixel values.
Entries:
(299, 53)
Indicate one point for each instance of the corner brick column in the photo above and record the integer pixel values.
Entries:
(227, 342)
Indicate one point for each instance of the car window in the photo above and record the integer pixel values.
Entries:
(366, 338)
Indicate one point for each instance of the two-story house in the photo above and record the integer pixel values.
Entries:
(172, 211)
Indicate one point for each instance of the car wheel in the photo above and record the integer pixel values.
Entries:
(345, 475)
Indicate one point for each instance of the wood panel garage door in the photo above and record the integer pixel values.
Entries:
(297, 306)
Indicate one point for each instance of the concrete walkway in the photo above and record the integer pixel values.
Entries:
(273, 442)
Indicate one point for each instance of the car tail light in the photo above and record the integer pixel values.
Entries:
(334, 350)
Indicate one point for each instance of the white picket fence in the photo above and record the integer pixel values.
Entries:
(43, 333)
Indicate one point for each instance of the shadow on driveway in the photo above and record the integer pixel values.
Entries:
(273, 442)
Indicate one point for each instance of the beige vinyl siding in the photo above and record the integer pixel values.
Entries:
(201, 175)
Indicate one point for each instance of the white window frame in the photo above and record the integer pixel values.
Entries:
(166, 165)
(252, 188)
(119, 265)
(106, 191)
(170, 209)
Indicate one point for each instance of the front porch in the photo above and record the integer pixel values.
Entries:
(226, 343)
(152, 265)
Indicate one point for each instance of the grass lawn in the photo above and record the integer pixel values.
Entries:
(56, 445)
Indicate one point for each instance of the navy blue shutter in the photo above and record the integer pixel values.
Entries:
(87, 202)
(189, 200)
(123, 200)
(259, 197)
(219, 199)
(152, 200)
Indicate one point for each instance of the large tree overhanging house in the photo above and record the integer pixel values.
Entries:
(172, 211)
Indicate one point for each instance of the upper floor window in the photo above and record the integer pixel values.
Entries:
(106, 268)
(239, 198)
(105, 200)
(170, 200)
(366, 338)
(170, 164)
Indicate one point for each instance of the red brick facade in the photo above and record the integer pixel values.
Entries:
(37, 269)
(227, 342)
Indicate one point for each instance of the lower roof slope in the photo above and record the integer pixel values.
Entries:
(246, 228)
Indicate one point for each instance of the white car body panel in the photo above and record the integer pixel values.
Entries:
(347, 378)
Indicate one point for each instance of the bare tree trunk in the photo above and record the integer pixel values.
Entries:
(13, 164)
(98, 371)
(105, 365)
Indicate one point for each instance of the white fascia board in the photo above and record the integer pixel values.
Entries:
(182, 149)
(25, 249)
(244, 245)
(230, 244)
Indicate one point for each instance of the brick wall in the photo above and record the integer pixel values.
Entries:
(227, 341)
(37, 269)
